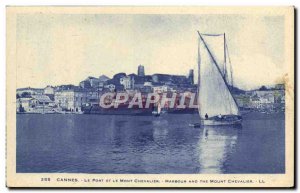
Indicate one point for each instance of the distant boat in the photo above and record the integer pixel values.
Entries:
(157, 110)
(216, 104)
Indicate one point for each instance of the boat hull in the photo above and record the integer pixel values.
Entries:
(155, 114)
(218, 123)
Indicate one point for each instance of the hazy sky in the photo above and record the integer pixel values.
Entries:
(55, 49)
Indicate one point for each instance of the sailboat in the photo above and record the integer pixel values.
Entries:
(216, 105)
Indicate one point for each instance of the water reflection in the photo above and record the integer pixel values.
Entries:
(160, 130)
(215, 146)
(144, 144)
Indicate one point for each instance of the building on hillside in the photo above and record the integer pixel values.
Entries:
(90, 82)
(110, 87)
(102, 80)
(49, 90)
(65, 87)
(115, 82)
(162, 88)
(141, 70)
(179, 80)
(127, 82)
(30, 91)
(139, 81)
(191, 76)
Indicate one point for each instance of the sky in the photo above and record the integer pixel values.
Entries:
(54, 49)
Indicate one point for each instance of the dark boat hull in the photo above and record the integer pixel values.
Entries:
(115, 111)
(219, 121)
(124, 110)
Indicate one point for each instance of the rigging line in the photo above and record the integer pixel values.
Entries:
(229, 60)
(214, 61)
(231, 73)
(225, 67)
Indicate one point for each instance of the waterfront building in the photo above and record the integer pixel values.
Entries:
(42, 104)
(262, 103)
(35, 104)
(242, 100)
(91, 97)
(265, 98)
(23, 104)
(42, 100)
(71, 99)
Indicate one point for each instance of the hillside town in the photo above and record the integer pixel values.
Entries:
(85, 97)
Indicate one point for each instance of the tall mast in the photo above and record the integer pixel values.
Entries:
(225, 63)
(230, 66)
(199, 61)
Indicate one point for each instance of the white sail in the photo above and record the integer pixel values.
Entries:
(158, 108)
(214, 95)
(215, 43)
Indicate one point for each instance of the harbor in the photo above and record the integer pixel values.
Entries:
(146, 144)
(169, 124)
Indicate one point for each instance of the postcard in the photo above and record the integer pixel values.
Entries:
(128, 96)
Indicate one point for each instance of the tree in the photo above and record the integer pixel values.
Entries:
(263, 87)
(26, 95)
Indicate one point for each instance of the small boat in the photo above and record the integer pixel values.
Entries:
(196, 125)
(216, 105)
(78, 112)
(157, 110)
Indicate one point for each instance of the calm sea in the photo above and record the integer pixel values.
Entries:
(68, 143)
